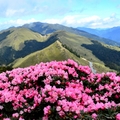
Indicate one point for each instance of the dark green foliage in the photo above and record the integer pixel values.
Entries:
(8, 109)
(40, 81)
(105, 80)
(5, 68)
(8, 54)
(3, 35)
(71, 50)
(109, 56)
(106, 114)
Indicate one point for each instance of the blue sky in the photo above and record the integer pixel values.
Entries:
(73, 13)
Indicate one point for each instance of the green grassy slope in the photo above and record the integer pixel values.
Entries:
(109, 54)
(75, 42)
(52, 52)
(56, 51)
(31, 48)
(19, 42)
(16, 37)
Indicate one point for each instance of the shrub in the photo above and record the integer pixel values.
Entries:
(60, 90)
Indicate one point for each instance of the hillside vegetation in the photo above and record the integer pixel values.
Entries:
(23, 47)
(19, 42)
(67, 46)
(50, 53)
(16, 38)
(110, 55)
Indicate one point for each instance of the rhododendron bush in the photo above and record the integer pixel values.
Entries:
(60, 90)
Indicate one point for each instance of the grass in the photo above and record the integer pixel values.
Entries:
(57, 52)
(52, 52)
(18, 36)
(107, 54)
(102, 68)
(75, 42)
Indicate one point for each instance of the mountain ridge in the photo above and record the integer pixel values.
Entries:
(46, 28)
(75, 44)
(17, 43)
(54, 52)
(11, 49)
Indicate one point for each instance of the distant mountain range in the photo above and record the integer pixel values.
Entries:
(110, 33)
(45, 28)
(41, 42)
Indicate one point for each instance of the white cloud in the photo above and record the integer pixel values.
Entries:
(84, 21)
(12, 12)
(13, 8)
(67, 14)
(70, 20)
(52, 21)
(17, 22)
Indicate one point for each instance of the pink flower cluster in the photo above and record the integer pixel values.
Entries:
(59, 90)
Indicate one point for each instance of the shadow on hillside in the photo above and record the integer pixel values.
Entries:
(8, 54)
(3, 35)
(110, 57)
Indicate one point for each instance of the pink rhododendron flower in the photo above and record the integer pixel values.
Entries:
(1, 107)
(6, 118)
(47, 110)
(15, 115)
(45, 118)
(58, 108)
(94, 116)
(61, 113)
(118, 116)
(21, 118)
